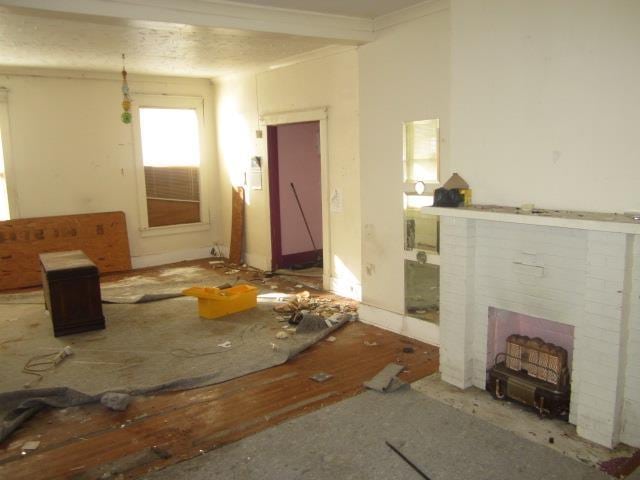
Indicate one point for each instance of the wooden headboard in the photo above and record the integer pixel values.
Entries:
(101, 236)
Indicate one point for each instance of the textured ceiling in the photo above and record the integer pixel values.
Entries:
(35, 39)
(353, 8)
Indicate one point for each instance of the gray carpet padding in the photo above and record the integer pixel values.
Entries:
(346, 441)
(146, 348)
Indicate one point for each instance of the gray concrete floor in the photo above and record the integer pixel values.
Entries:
(347, 441)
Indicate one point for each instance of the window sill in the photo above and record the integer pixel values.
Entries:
(174, 229)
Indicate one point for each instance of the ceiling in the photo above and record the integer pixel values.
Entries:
(32, 38)
(259, 33)
(353, 8)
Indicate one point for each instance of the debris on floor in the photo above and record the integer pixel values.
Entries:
(321, 377)
(281, 335)
(331, 339)
(387, 380)
(40, 364)
(310, 322)
(30, 446)
(408, 349)
(621, 467)
(367, 343)
(116, 401)
(323, 306)
(226, 344)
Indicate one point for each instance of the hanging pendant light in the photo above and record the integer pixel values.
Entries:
(126, 100)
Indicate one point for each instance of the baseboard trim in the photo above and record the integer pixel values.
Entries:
(164, 258)
(344, 288)
(401, 324)
(257, 261)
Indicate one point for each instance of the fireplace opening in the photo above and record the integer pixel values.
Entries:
(529, 361)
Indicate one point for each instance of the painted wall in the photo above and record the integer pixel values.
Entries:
(545, 102)
(404, 75)
(299, 163)
(72, 154)
(331, 81)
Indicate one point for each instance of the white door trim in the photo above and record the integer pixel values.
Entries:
(320, 115)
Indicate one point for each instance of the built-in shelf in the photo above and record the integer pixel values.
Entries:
(605, 222)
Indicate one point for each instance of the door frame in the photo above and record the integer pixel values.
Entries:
(319, 115)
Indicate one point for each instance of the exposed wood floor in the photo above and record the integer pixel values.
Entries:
(89, 442)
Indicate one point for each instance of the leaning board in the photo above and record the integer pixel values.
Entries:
(237, 225)
(101, 236)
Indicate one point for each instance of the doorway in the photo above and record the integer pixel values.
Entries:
(295, 191)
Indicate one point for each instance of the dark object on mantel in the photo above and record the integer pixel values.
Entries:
(534, 373)
(71, 287)
(443, 197)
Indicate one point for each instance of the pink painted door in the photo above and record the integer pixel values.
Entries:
(294, 166)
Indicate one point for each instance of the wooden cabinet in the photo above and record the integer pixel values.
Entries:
(71, 286)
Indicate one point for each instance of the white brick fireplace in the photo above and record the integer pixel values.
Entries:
(569, 270)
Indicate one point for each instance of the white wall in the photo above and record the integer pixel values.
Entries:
(331, 81)
(72, 154)
(545, 102)
(404, 75)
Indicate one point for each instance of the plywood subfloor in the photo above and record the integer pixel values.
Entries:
(89, 442)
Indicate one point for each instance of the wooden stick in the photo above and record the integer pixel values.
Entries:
(409, 462)
(303, 217)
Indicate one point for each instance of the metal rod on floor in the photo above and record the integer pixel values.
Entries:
(409, 462)
(293, 187)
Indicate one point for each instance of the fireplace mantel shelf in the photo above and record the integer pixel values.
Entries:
(604, 222)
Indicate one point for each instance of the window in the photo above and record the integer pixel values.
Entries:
(8, 205)
(4, 195)
(169, 150)
(421, 151)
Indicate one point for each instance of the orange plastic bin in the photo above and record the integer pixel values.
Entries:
(215, 303)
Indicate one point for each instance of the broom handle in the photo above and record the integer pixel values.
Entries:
(293, 187)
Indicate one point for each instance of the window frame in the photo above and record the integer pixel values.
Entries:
(5, 128)
(177, 102)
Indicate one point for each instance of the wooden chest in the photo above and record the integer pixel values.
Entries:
(71, 287)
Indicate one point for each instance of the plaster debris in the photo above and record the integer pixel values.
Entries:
(321, 377)
(281, 335)
(331, 339)
(387, 380)
(116, 401)
(370, 344)
(226, 344)
(30, 445)
(325, 307)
